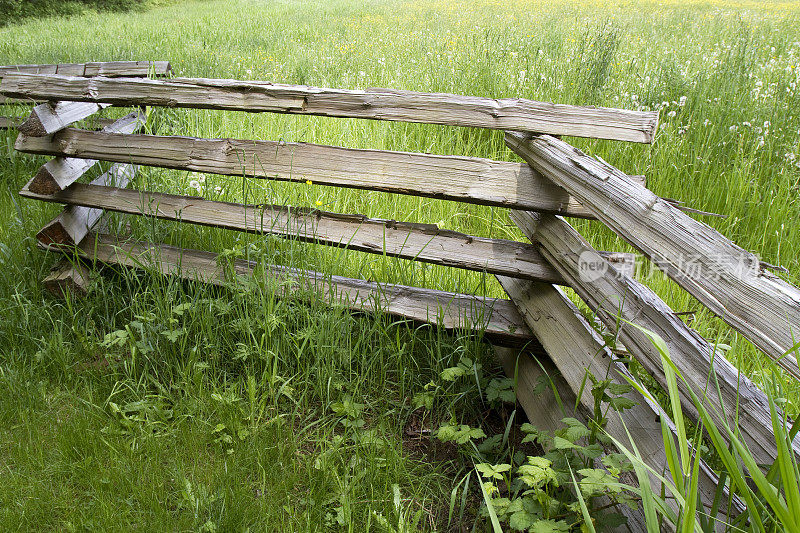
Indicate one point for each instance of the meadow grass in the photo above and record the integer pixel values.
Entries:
(96, 434)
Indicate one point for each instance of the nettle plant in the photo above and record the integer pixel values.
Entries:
(572, 485)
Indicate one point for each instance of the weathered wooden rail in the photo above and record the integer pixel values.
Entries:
(57, 113)
(554, 181)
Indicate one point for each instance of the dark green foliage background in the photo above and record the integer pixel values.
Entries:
(12, 10)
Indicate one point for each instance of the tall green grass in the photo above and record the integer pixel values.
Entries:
(771, 492)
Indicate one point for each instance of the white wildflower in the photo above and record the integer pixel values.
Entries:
(194, 184)
(671, 113)
(682, 101)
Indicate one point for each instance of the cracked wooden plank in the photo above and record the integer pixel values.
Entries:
(76, 221)
(67, 278)
(466, 179)
(421, 242)
(48, 118)
(7, 123)
(613, 296)
(377, 104)
(107, 68)
(61, 172)
(727, 279)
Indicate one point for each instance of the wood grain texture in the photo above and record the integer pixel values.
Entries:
(575, 348)
(378, 104)
(107, 69)
(612, 296)
(424, 242)
(61, 172)
(421, 242)
(76, 221)
(48, 118)
(497, 319)
(67, 279)
(727, 279)
(467, 179)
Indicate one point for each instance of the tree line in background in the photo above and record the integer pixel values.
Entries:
(14, 10)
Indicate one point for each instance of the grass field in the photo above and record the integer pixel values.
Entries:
(155, 404)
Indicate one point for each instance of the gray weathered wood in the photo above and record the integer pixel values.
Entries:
(727, 279)
(612, 296)
(575, 348)
(61, 172)
(467, 179)
(422, 242)
(379, 104)
(108, 69)
(48, 118)
(497, 318)
(74, 223)
(67, 278)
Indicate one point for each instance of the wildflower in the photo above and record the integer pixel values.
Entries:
(309, 182)
(789, 156)
(682, 101)
(671, 113)
(319, 203)
(733, 128)
(218, 189)
(194, 184)
(706, 122)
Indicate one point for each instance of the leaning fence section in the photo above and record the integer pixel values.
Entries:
(553, 181)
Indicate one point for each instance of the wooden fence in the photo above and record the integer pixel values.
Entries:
(555, 180)
(46, 119)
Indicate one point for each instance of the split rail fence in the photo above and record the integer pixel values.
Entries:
(553, 181)
(45, 119)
